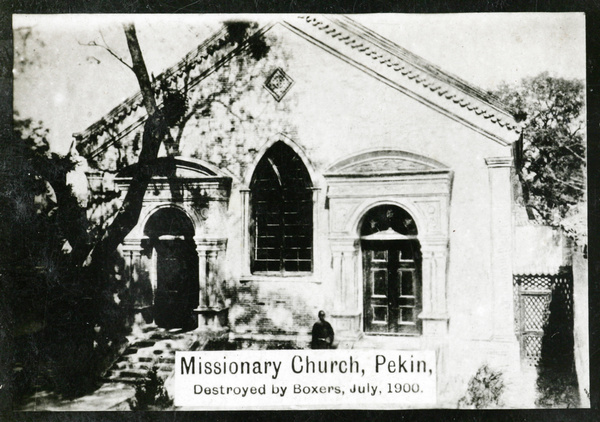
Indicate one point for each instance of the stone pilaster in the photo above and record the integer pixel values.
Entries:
(245, 195)
(140, 285)
(137, 274)
(501, 243)
(434, 315)
(208, 304)
(346, 313)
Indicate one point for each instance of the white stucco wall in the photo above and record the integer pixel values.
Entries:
(335, 110)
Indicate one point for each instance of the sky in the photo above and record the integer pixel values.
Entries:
(68, 85)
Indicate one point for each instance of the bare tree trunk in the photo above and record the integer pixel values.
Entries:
(139, 68)
(155, 131)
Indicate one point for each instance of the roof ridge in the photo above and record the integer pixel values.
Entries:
(422, 73)
(130, 104)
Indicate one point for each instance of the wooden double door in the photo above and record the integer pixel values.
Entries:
(392, 286)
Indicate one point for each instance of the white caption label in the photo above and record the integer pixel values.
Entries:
(305, 379)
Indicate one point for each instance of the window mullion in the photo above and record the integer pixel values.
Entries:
(282, 231)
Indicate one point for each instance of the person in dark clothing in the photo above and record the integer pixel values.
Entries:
(322, 333)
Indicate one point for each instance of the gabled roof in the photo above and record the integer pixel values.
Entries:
(351, 42)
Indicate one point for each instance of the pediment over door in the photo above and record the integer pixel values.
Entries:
(178, 179)
(418, 184)
(384, 162)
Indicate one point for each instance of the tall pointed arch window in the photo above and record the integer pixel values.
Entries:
(282, 213)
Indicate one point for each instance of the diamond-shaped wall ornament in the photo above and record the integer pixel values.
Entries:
(278, 84)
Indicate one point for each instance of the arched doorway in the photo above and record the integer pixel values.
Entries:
(170, 235)
(391, 271)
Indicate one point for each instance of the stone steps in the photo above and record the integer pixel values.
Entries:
(157, 349)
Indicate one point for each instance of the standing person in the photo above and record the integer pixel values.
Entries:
(322, 333)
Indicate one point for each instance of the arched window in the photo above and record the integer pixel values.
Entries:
(282, 213)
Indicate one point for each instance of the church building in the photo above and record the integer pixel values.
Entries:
(337, 172)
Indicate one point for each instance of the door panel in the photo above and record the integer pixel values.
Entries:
(391, 287)
(377, 310)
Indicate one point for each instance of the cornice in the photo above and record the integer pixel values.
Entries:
(493, 162)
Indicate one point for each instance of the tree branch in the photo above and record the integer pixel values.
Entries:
(562, 182)
(574, 153)
(108, 49)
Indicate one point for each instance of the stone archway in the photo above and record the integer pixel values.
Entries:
(420, 187)
(170, 235)
(181, 225)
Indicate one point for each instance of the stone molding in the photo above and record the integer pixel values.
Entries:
(494, 162)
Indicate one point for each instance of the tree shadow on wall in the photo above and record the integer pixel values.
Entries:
(557, 378)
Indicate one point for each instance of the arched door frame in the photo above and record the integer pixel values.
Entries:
(359, 221)
(208, 221)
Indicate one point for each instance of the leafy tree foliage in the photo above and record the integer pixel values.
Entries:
(150, 393)
(552, 166)
(42, 293)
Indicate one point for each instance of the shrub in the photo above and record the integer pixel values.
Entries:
(485, 389)
(150, 393)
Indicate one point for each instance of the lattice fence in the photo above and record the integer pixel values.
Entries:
(533, 294)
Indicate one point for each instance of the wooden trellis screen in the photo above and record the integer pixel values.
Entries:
(533, 294)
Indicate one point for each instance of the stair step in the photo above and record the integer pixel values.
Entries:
(122, 364)
(156, 350)
(160, 336)
(124, 380)
(133, 374)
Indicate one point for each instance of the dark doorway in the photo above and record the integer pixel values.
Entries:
(391, 271)
(170, 234)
